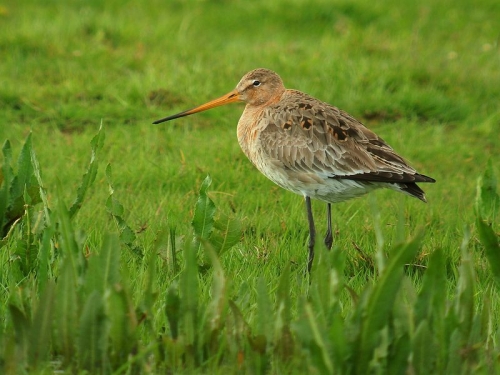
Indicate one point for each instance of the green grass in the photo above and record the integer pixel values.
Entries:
(423, 75)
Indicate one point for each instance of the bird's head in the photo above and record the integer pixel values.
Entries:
(256, 88)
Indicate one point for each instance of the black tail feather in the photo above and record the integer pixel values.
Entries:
(414, 190)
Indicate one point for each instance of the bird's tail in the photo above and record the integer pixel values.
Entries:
(413, 190)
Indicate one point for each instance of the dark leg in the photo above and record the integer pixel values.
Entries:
(312, 234)
(329, 235)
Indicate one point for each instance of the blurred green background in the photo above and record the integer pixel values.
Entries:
(424, 75)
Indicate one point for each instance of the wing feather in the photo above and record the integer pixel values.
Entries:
(307, 135)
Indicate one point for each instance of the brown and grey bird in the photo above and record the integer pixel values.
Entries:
(311, 147)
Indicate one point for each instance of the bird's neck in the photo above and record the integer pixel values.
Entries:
(251, 124)
(248, 128)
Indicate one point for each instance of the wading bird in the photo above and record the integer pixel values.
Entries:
(312, 148)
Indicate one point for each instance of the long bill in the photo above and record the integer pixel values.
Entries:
(230, 97)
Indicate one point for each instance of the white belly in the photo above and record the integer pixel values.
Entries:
(326, 189)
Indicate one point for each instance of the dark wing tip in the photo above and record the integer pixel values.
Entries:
(388, 177)
(423, 178)
(414, 190)
(406, 182)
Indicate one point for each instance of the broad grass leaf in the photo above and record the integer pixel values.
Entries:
(376, 310)
(127, 235)
(313, 327)
(261, 337)
(486, 335)
(23, 182)
(67, 307)
(41, 328)
(104, 268)
(454, 363)
(93, 334)
(89, 176)
(320, 351)
(284, 343)
(464, 300)
(240, 329)
(189, 293)
(27, 253)
(24, 166)
(172, 309)
(283, 307)
(221, 233)
(338, 341)
(487, 207)
(491, 242)
(226, 235)
(17, 191)
(5, 184)
(116, 210)
(203, 219)
(114, 207)
(217, 306)
(487, 198)
(22, 327)
(430, 304)
(263, 311)
(41, 190)
(68, 243)
(122, 320)
(424, 349)
(399, 354)
(109, 257)
(477, 335)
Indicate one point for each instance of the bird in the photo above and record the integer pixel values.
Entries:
(311, 148)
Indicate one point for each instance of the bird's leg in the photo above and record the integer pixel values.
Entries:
(329, 235)
(312, 233)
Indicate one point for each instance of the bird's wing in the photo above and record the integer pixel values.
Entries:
(309, 136)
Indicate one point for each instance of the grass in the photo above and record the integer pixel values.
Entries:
(123, 266)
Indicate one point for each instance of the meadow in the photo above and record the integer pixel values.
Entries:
(132, 248)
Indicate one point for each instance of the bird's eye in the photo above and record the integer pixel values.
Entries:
(256, 83)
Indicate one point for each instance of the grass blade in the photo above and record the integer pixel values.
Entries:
(283, 336)
(376, 310)
(5, 183)
(41, 328)
(92, 342)
(172, 310)
(17, 189)
(203, 219)
(423, 349)
(189, 294)
(321, 350)
(121, 325)
(69, 246)
(454, 358)
(89, 176)
(227, 234)
(217, 305)
(487, 198)
(430, 304)
(464, 301)
(22, 327)
(103, 269)
(116, 210)
(491, 244)
(264, 311)
(41, 190)
(66, 312)
(487, 207)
